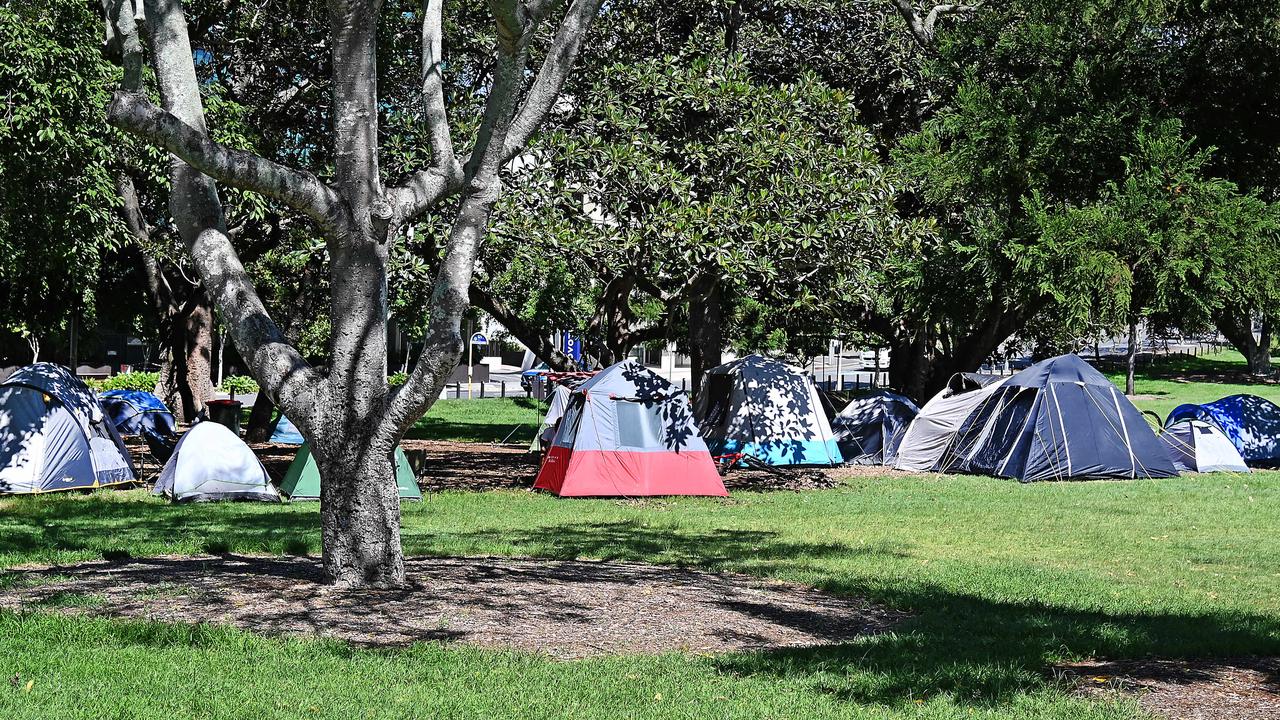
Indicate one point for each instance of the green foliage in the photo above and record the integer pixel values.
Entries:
(239, 384)
(397, 379)
(137, 380)
(57, 188)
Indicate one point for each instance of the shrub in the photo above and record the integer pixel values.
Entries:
(397, 379)
(145, 381)
(239, 384)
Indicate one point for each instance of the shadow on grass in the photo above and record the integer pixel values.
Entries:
(981, 651)
(117, 529)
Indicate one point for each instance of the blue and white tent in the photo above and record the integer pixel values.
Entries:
(1251, 423)
(285, 433)
(767, 409)
(132, 411)
(55, 436)
(1057, 420)
(1197, 446)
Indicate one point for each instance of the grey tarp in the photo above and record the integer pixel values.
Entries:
(926, 441)
(212, 463)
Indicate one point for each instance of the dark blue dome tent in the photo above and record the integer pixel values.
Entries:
(1059, 419)
(55, 436)
(1251, 423)
(870, 428)
(135, 412)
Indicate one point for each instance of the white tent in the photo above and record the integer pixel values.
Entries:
(54, 435)
(930, 435)
(1197, 446)
(212, 463)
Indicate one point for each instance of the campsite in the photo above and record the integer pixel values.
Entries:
(551, 359)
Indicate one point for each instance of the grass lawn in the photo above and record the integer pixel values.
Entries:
(1003, 580)
(489, 420)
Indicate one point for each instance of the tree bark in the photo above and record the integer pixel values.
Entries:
(1236, 325)
(706, 328)
(360, 512)
(186, 383)
(1131, 357)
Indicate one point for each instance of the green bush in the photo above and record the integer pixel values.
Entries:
(239, 384)
(397, 379)
(144, 381)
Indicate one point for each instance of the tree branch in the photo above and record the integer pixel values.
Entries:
(526, 333)
(560, 59)
(433, 85)
(300, 190)
(924, 29)
(198, 215)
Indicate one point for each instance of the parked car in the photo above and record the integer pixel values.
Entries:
(527, 377)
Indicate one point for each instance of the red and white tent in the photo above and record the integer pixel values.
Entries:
(627, 432)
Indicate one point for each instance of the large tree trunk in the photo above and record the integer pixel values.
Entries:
(706, 328)
(1131, 357)
(360, 513)
(1236, 325)
(186, 383)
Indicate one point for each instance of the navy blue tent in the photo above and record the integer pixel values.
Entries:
(1251, 423)
(870, 428)
(1056, 420)
(285, 433)
(134, 412)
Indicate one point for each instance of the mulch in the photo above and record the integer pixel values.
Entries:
(1217, 689)
(565, 609)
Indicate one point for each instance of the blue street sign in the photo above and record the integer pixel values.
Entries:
(571, 346)
(479, 339)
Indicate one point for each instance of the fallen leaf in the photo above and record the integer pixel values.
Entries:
(28, 686)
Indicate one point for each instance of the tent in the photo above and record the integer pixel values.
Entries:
(1058, 419)
(926, 441)
(135, 412)
(55, 436)
(285, 433)
(555, 410)
(1251, 423)
(768, 409)
(1197, 446)
(869, 429)
(212, 463)
(132, 410)
(302, 479)
(627, 432)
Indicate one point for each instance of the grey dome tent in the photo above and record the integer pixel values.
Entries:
(55, 436)
(870, 428)
(926, 441)
(1197, 446)
(767, 409)
(1059, 419)
(212, 463)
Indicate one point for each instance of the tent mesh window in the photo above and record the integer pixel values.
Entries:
(639, 425)
(719, 388)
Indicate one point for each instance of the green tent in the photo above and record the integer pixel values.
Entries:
(302, 481)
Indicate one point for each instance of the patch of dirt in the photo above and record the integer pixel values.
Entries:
(1236, 688)
(566, 609)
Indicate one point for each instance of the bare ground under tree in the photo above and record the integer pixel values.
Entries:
(566, 609)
